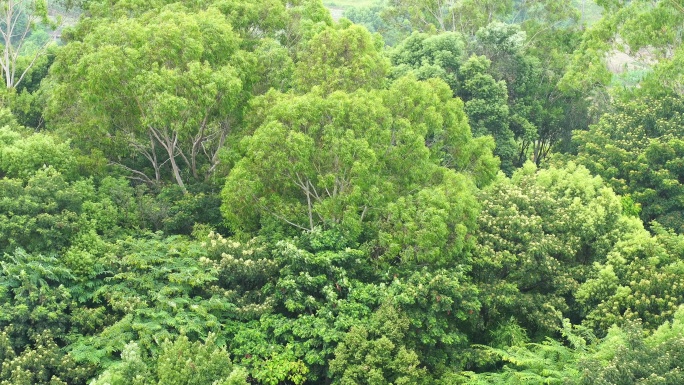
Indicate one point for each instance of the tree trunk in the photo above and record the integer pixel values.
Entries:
(169, 144)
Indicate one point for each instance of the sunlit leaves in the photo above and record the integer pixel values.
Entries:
(340, 161)
(637, 150)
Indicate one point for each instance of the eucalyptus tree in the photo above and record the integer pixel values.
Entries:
(18, 19)
(160, 87)
(166, 87)
(400, 163)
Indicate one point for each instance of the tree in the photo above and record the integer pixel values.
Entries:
(23, 153)
(509, 87)
(637, 149)
(548, 362)
(375, 354)
(340, 160)
(486, 99)
(539, 236)
(430, 56)
(290, 22)
(540, 115)
(18, 19)
(640, 280)
(180, 362)
(486, 103)
(344, 58)
(468, 16)
(465, 17)
(627, 355)
(166, 88)
(41, 363)
(371, 17)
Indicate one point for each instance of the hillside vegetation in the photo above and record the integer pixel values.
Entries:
(223, 192)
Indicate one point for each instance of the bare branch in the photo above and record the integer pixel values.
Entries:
(141, 175)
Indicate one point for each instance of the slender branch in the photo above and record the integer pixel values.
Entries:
(214, 157)
(142, 175)
(285, 220)
(315, 192)
(363, 213)
(33, 62)
(530, 40)
(182, 154)
(305, 187)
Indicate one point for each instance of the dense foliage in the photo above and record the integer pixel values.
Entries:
(224, 192)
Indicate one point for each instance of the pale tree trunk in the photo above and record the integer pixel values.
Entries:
(170, 144)
(11, 11)
(7, 42)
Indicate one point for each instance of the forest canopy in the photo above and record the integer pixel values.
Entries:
(224, 192)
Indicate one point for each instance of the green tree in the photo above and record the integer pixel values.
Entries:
(42, 214)
(290, 22)
(164, 89)
(19, 18)
(509, 93)
(637, 149)
(639, 280)
(486, 103)
(180, 362)
(40, 363)
(151, 289)
(430, 56)
(541, 115)
(628, 356)
(375, 354)
(548, 362)
(539, 236)
(345, 58)
(341, 159)
(371, 17)
(23, 153)
(465, 17)
(649, 32)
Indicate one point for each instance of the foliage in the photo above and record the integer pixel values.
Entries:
(637, 149)
(40, 363)
(467, 17)
(640, 280)
(509, 88)
(375, 354)
(243, 192)
(371, 17)
(156, 288)
(342, 160)
(20, 18)
(23, 154)
(463, 17)
(180, 362)
(627, 356)
(539, 235)
(648, 31)
(166, 105)
(426, 56)
(345, 58)
(487, 108)
(42, 215)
